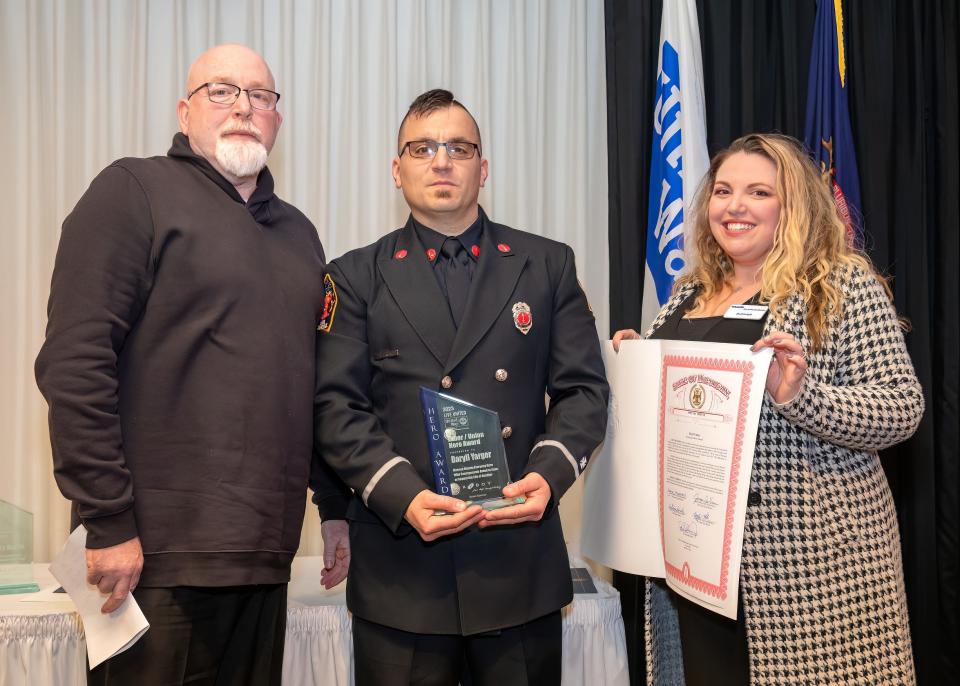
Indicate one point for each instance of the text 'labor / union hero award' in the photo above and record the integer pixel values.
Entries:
(466, 450)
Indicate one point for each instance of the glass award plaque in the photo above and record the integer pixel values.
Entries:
(16, 550)
(466, 450)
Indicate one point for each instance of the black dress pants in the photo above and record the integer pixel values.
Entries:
(714, 647)
(230, 636)
(525, 655)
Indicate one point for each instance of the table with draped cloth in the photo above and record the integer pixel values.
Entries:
(42, 643)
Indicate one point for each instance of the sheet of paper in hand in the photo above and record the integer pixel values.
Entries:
(106, 634)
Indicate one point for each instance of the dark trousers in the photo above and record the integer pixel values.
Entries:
(211, 636)
(714, 647)
(525, 655)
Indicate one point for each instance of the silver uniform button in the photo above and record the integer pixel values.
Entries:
(501, 375)
(507, 431)
(446, 382)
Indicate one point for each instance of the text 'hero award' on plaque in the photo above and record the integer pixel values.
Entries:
(466, 450)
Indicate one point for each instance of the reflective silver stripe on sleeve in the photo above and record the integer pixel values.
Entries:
(387, 466)
(563, 449)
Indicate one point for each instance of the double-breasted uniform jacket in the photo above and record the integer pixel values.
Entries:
(387, 331)
(821, 578)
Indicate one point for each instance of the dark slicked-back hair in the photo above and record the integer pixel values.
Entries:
(431, 101)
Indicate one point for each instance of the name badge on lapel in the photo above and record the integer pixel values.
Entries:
(754, 312)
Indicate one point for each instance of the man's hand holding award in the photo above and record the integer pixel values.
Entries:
(422, 514)
(471, 473)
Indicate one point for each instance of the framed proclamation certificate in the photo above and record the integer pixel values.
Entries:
(466, 450)
(667, 494)
(709, 395)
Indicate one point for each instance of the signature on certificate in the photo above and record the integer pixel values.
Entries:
(702, 518)
(677, 510)
(679, 495)
(705, 501)
(689, 529)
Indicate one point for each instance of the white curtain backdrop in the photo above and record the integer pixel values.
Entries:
(84, 82)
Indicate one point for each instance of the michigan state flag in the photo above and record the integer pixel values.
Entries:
(828, 135)
(678, 153)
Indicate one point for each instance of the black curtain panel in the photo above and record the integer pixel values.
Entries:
(902, 70)
(632, 38)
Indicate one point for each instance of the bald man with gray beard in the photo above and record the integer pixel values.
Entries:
(179, 369)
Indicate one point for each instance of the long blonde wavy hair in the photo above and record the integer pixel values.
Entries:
(810, 244)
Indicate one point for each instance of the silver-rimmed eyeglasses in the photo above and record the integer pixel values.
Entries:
(427, 149)
(227, 94)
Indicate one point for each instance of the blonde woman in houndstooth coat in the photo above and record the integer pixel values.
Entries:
(821, 580)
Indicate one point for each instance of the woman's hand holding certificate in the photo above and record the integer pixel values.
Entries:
(787, 368)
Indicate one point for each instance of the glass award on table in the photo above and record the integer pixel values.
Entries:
(466, 450)
(16, 550)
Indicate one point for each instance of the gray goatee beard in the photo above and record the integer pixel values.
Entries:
(241, 158)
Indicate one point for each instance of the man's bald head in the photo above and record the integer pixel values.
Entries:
(223, 58)
(233, 137)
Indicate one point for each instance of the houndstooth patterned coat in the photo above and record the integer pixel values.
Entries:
(821, 577)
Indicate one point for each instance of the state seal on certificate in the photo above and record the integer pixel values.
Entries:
(466, 450)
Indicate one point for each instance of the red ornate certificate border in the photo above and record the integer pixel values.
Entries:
(745, 368)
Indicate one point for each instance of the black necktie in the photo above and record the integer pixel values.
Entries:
(456, 276)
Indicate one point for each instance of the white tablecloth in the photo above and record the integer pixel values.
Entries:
(594, 642)
(41, 643)
(319, 641)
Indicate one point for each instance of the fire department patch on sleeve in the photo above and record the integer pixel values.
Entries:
(329, 304)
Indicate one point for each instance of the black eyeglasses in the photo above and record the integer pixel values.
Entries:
(427, 149)
(227, 94)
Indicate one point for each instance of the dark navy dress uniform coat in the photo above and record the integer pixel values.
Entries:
(387, 331)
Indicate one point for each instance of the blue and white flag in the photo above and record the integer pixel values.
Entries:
(679, 152)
